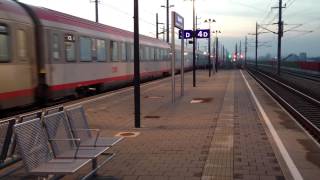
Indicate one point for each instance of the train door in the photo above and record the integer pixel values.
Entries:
(25, 57)
(17, 77)
(62, 64)
(6, 66)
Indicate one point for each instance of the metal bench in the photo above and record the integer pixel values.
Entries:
(80, 129)
(36, 155)
(57, 128)
(6, 133)
(9, 154)
(13, 151)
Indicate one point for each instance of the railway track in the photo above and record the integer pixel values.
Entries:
(304, 108)
(292, 73)
(305, 83)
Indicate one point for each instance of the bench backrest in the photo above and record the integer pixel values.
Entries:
(78, 120)
(6, 132)
(33, 143)
(13, 151)
(30, 116)
(57, 127)
(53, 110)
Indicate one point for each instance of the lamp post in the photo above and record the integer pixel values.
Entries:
(194, 42)
(167, 8)
(136, 78)
(209, 44)
(217, 49)
(96, 2)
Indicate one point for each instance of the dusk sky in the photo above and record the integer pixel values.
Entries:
(235, 19)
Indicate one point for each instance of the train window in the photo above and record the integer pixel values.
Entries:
(69, 47)
(157, 54)
(114, 50)
(127, 51)
(85, 49)
(141, 53)
(167, 54)
(101, 50)
(21, 44)
(147, 53)
(4, 43)
(55, 46)
(152, 53)
(123, 55)
(161, 54)
(131, 52)
(94, 49)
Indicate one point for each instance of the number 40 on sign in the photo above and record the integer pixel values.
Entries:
(203, 33)
(200, 33)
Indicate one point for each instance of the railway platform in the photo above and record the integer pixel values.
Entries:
(227, 127)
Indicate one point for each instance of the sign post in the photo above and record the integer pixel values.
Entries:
(136, 78)
(178, 22)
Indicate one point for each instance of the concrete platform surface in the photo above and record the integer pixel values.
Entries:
(215, 131)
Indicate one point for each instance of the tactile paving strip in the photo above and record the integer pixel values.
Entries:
(219, 164)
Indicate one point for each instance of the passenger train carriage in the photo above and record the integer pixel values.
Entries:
(45, 54)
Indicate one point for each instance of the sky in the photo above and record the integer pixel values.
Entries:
(234, 18)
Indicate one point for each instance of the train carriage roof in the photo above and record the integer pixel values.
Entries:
(12, 11)
(45, 14)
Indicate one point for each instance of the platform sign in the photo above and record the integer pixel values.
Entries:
(179, 21)
(202, 33)
(187, 34)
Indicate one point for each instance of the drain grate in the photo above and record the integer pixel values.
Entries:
(152, 117)
(128, 134)
(200, 100)
(153, 97)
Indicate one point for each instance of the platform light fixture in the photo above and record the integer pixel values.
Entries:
(216, 49)
(209, 21)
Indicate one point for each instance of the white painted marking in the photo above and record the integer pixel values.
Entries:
(290, 164)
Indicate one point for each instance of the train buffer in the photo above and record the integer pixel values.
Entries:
(227, 127)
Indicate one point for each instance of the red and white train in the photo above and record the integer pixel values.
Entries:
(45, 54)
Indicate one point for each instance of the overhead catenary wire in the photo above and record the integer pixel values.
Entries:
(128, 14)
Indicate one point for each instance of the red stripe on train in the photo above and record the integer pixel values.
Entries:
(14, 94)
(29, 92)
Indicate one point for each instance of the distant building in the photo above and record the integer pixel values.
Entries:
(303, 56)
(293, 57)
(268, 57)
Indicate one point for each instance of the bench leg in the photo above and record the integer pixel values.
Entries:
(94, 166)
